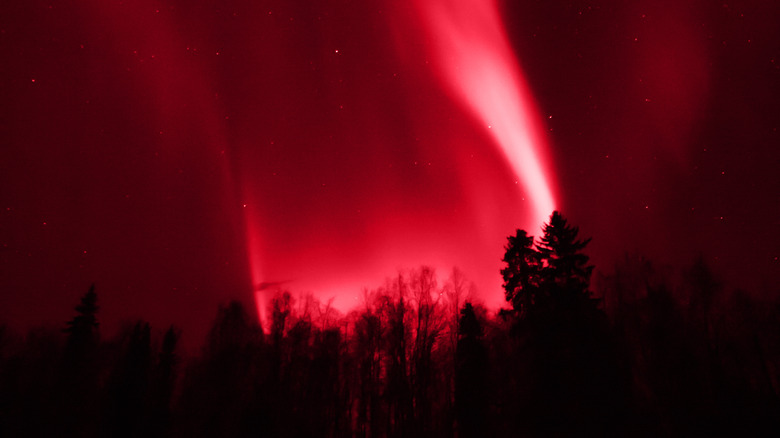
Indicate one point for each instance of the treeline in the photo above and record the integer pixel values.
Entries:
(649, 357)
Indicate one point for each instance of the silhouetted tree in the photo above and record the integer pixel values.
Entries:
(398, 393)
(297, 380)
(126, 406)
(674, 358)
(456, 290)
(428, 325)
(522, 272)
(565, 272)
(77, 390)
(471, 402)
(704, 291)
(281, 306)
(164, 381)
(326, 401)
(219, 395)
(31, 385)
(82, 330)
(573, 363)
(368, 339)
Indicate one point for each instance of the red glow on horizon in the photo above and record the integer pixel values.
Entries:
(347, 238)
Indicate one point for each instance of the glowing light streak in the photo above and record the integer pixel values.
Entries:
(255, 262)
(479, 65)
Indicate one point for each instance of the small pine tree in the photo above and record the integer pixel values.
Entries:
(469, 327)
(83, 328)
(77, 387)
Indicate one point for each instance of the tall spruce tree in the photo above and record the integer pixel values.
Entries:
(565, 273)
(549, 274)
(522, 272)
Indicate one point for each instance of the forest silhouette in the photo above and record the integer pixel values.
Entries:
(645, 355)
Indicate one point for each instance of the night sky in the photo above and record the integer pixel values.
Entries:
(182, 153)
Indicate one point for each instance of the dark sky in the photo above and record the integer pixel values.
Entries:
(176, 152)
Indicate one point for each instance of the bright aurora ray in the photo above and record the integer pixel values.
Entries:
(474, 56)
(475, 64)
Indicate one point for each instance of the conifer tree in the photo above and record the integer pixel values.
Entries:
(470, 376)
(565, 270)
(82, 329)
(77, 387)
(522, 272)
